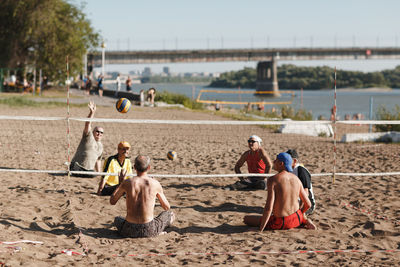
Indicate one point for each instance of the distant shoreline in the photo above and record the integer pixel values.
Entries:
(372, 89)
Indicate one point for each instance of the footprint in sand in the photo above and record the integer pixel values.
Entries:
(369, 225)
(324, 226)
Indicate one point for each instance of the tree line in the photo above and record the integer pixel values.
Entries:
(41, 33)
(314, 78)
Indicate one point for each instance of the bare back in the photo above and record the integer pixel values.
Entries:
(287, 189)
(141, 194)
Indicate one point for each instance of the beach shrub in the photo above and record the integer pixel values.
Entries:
(384, 114)
(286, 112)
(172, 98)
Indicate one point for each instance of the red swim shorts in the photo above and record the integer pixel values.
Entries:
(280, 223)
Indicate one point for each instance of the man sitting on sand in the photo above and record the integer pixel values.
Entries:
(88, 154)
(281, 209)
(305, 178)
(114, 164)
(258, 161)
(141, 193)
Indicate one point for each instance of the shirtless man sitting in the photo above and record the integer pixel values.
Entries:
(141, 193)
(281, 210)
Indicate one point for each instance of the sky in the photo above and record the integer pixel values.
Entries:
(215, 24)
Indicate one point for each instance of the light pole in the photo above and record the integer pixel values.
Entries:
(103, 56)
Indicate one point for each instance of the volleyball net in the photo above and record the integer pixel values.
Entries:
(205, 148)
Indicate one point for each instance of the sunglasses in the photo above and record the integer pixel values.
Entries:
(251, 141)
(100, 132)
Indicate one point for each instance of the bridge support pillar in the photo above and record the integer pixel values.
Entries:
(267, 77)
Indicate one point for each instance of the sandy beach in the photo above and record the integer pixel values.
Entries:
(354, 213)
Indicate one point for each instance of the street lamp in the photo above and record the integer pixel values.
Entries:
(103, 53)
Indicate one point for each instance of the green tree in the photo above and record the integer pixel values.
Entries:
(43, 33)
(297, 77)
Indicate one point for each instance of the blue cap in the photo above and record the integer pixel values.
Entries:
(286, 159)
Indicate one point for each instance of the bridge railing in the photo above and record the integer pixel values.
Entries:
(222, 42)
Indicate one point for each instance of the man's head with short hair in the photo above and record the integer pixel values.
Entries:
(142, 163)
(98, 133)
(293, 153)
(295, 156)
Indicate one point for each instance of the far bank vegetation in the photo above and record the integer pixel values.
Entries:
(312, 78)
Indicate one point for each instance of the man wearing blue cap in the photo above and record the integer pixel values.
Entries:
(281, 209)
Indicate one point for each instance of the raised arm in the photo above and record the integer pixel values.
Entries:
(92, 110)
(267, 160)
(269, 204)
(240, 162)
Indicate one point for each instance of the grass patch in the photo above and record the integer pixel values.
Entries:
(172, 98)
(285, 112)
(385, 114)
(25, 101)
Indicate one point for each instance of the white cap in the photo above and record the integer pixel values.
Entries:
(256, 138)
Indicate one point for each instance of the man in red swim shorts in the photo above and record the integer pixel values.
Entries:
(281, 209)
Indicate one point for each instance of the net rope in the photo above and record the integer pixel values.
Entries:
(199, 175)
(186, 122)
(200, 122)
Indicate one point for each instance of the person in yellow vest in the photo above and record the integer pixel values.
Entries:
(114, 164)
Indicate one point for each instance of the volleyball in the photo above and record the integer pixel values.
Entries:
(171, 155)
(123, 105)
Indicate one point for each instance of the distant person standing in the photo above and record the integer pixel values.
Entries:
(142, 98)
(151, 94)
(118, 82)
(88, 86)
(128, 84)
(100, 85)
(84, 81)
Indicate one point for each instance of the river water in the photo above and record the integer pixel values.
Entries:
(319, 102)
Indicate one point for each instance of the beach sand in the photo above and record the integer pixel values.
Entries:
(64, 213)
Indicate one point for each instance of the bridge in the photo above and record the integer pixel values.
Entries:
(267, 57)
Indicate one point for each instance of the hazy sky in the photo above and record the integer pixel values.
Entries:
(188, 24)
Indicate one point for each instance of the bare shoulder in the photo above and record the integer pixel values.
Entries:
(154, 185)
(152, 182)
(262, 150)
(129, 181)
(274, 178)
(293, 177)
